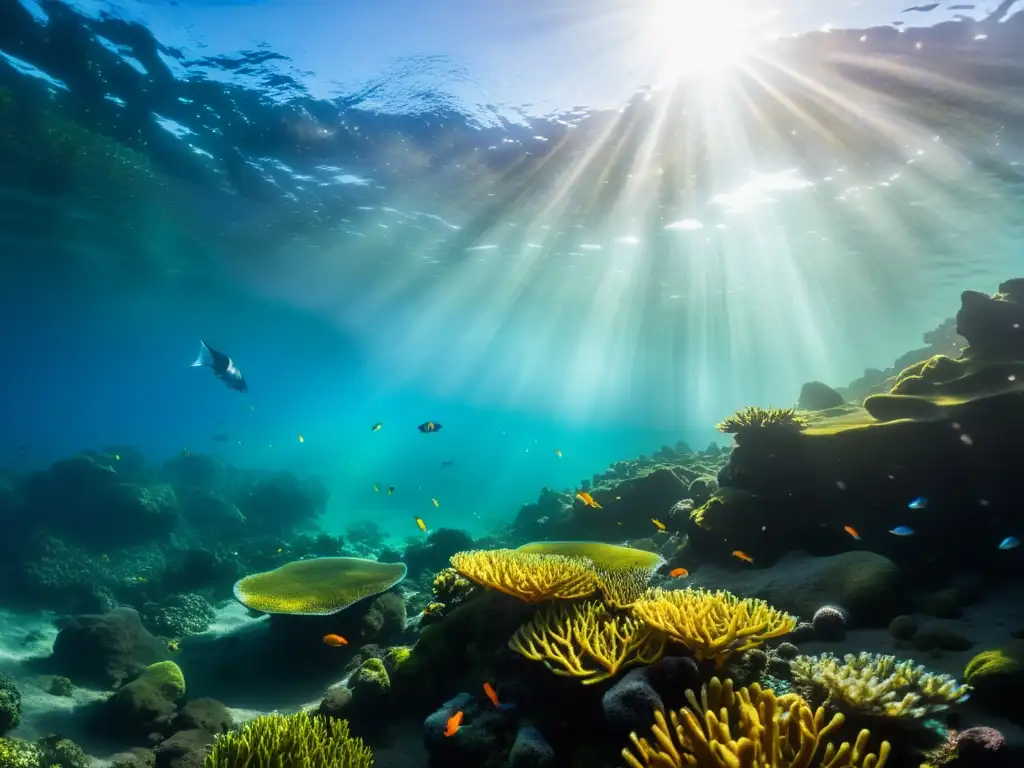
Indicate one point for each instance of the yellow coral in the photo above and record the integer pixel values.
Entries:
(586, 641)
(748, 728)
(301, 739)
(874, 684)
(713, 625)
(317, 587)
(528, 576)
(753, 417)
(623, 573)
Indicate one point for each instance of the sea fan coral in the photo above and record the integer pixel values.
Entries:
(749, 728)
(300, 739)
(586, 641)
(753, 417)
(713, 625)
(873, 684)
(318, 587)
(528, 576)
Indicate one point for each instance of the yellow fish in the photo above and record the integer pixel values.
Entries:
(391, 489)
(587, 499)
(420, 524)
(658, 524)
(435, 503)
(302, 439)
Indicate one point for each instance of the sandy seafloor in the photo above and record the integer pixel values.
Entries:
(988, 623)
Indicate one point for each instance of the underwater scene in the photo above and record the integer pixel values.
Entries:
(579, 384)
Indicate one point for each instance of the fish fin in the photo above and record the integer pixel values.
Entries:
(205, 356)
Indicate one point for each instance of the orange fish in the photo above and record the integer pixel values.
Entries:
(453, 724)
(743, 556)
(491, 694)
(334, 640)
(420, 524)
(587, 499)
(675, 573)
(658, 524)
(852, 531)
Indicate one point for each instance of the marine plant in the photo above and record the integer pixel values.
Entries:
(754, 417)
(875, 684)
(586, 641)
(317, 587)
(528, 576)
(749, 728)
(995, 662)
(301, 739)
(712, 625)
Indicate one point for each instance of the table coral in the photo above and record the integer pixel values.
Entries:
(528, 576)
(874, 684)
(713, 625)
(586, 641)
(749, 728)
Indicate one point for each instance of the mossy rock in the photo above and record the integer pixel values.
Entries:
(397, 656)
(371, 680)
(15, 753)
(166, 677)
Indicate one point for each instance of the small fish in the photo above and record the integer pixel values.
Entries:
(334, 640)
(302, 439)
(429, 426)
(739, 553)
(903, 530)
(280, 550)
(446, 463)
(172, 646)
(376, 488)
(452, 726)
(676, 573)
(852, 531)
(391, 489)
(657, 524)
(1010, 542)
(117, 457)
(376, 427)
(618, 498)
(141, 579)
(587, 499)
(420, 524)
(558, 453)
(436, 502)
(491, 694)
(919, 503)
(105, 557)
(223, 367)
(185, 453)
(220, 437)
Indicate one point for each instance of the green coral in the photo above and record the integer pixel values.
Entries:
(397, 656)
(754, 417)
(166, 677)
(995, 663)
(371, 678)
(874, 684)
(58, 752)
(302, 739)
(15, 753)
(10, 705)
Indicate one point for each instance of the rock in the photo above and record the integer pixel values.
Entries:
(628, 704)
(815, 396)
(370, 682)
(702, 488)
(531, 750)
(903, 627)
(184, 749)
(787, 651)
(944, 604)
(61, 686)
(385, 620)
(979, 747)
(148, 703)
(58, 752)
(335, 701)
(829, 624)
(748, 667)
(204, 714)
(936, 636)
(178, 615)
(866, 584)
(432, 555)
(105, 649)
(136, 757)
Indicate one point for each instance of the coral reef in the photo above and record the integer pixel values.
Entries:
(529, 577)
(752, 419)
(749, 728)
(317, 587)
(585, 641)
(281, 740)
(712, 625)
(875, 684)
(10, 705)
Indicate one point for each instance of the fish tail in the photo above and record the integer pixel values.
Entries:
(205, 357)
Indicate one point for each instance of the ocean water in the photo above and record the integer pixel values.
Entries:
(572, 234)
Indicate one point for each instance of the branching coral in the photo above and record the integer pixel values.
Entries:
(713, 625)
(748, 728)
(528, 576)
(753, 417)
(301, 739)
(586, 641)
(873, 684)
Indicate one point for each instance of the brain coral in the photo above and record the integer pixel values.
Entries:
(317, 587)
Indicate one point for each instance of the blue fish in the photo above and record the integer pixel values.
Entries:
(903, 530)
(1010, 542)
(919, 503)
